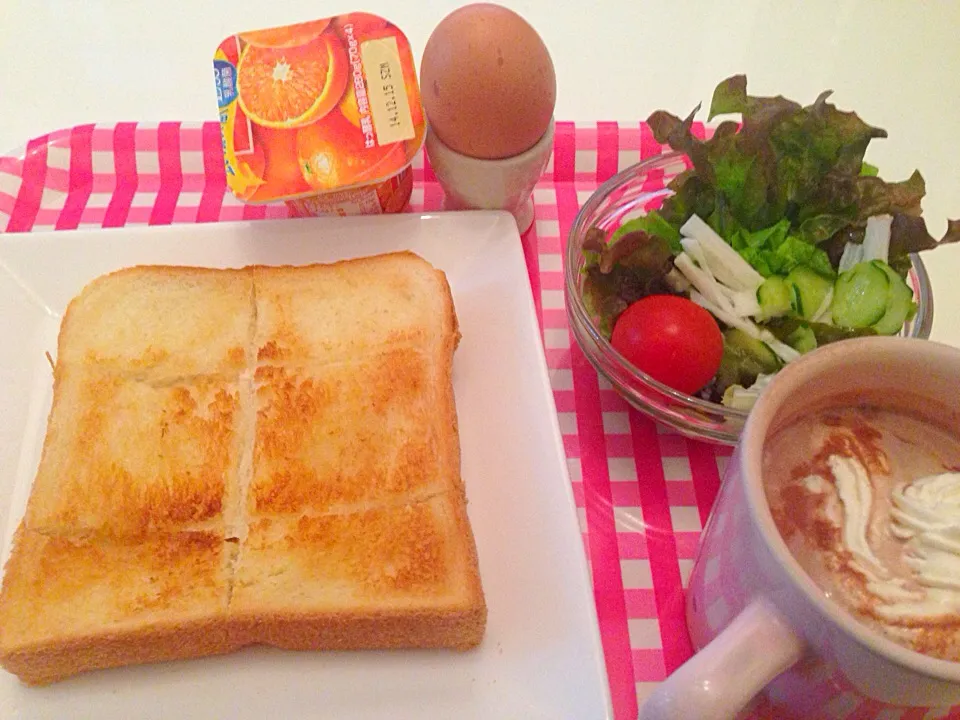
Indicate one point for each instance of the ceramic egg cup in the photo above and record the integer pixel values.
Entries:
(476, 184)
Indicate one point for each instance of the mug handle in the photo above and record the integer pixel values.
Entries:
(719, 681)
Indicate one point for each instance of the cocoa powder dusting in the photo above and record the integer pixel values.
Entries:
(802, 512)
(857, 439)
(825, 535)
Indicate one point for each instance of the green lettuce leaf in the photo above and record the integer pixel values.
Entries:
(691, 195)
(759, 113)
(795, 252)
(743, 177)
(730, 96)
(775, 166)
(670, 130)
(653, 223)
(775, 251)
(770, 237)
(817, 143)
(722, 219)
(818, 228)
(791, 253)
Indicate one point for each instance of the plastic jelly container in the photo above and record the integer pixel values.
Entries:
(323, 115)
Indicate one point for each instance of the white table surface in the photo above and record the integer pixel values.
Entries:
(896, 62)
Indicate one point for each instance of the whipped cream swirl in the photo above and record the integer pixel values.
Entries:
(856, 493)
(925, 515)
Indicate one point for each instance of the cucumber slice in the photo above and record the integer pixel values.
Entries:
(809, 290)
(802, 339)
(744, 358)
(900, 303)
(860, 296)
(756, 350)
(774, 297)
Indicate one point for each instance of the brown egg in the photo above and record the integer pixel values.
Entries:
(487, 82)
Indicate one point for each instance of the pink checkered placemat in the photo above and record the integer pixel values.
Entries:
(643, 493)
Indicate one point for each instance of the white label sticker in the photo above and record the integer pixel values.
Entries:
(388, 94)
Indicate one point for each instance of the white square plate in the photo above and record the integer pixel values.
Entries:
(541, 657)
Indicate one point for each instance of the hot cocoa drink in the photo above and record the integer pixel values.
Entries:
(867, 499)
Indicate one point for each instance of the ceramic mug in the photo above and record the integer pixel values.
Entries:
(759, 622)
(477, 184)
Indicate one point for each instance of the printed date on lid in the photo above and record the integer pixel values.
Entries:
(389, 105)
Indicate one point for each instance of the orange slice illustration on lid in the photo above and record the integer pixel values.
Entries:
(288, 87)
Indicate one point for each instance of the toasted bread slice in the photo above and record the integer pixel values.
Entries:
(265, 455)
(124, 457)
(348, 308)
(71, 605)
(351, 433)
(392, 576)
(164, 321)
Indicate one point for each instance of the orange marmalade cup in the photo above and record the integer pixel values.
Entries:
(324, 115)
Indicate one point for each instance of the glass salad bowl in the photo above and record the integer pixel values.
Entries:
(630, 194)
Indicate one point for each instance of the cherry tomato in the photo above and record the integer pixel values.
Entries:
(672, 339)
